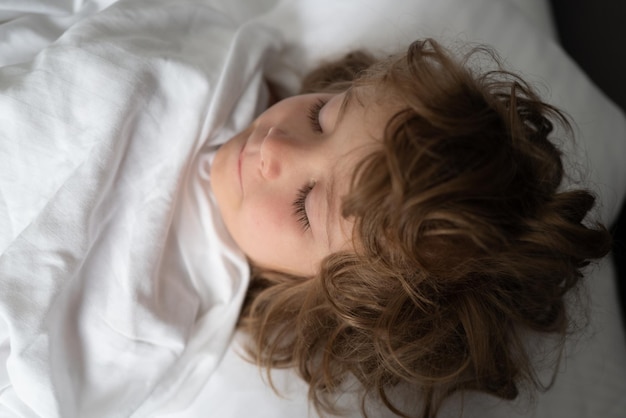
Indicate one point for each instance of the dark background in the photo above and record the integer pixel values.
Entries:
(593, 32)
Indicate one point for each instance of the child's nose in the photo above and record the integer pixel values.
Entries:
(273, 153)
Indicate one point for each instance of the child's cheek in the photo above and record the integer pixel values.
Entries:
(270, 217)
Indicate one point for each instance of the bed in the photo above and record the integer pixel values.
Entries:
(110, 111)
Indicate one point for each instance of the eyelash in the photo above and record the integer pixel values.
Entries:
(314, 115)
(299, 208)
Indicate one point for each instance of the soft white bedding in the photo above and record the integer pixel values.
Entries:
(119, 287)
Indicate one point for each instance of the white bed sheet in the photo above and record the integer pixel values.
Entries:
(118, 289)
(89, 115)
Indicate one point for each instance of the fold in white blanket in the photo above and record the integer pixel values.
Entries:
(105, 144)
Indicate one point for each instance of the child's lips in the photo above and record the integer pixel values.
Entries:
(249, 147)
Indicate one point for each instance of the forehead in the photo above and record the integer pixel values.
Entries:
(364, 112)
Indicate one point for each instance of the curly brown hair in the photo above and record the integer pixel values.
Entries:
(466, 241)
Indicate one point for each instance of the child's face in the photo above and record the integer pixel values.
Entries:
(279, 184)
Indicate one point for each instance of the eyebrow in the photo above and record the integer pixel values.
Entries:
(330, 204)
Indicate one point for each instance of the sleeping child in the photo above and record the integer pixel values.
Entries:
(406, 225)
(403, 222)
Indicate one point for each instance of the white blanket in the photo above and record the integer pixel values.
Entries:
(117, 288)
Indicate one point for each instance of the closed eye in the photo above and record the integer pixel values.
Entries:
(299, 206)
(314, 115)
